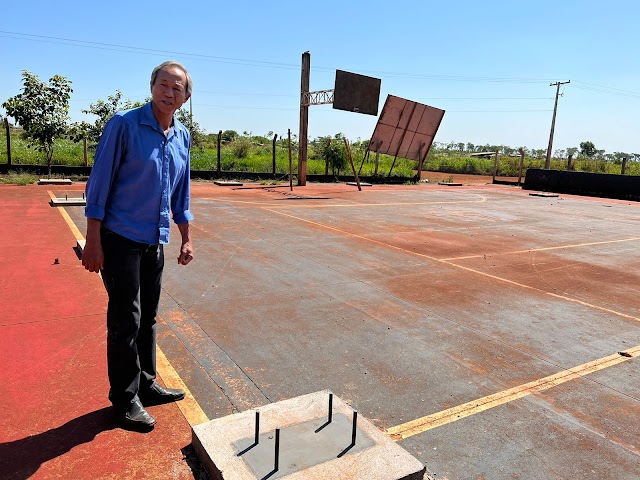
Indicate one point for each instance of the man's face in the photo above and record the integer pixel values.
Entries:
(169, 90)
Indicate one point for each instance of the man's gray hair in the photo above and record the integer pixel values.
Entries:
(173, 63)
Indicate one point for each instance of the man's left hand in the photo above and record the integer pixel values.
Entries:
(186, 254)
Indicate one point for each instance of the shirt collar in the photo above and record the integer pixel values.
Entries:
(148, 118)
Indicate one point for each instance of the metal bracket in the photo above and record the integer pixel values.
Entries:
(321, 97)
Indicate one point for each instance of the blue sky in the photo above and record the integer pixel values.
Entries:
(488, 64)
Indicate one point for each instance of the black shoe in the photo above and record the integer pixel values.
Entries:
(136, 417)
(157, 395)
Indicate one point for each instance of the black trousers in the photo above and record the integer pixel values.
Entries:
(132, 275)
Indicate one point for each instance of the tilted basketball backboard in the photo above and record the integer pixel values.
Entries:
(405, 129)
(356, 93)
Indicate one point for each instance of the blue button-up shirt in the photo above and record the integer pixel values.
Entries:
(139, 176)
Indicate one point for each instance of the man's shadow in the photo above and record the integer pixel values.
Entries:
(20, 459)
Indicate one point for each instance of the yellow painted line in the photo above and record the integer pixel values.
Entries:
(462, 267)
(444, 417)
(189, 407)
(532, 250)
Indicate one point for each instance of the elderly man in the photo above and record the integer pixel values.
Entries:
(140, 175)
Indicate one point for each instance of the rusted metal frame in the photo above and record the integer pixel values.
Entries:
(320, 97)
(402, 138)
(355, 174)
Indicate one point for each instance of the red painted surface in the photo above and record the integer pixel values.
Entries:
(55, 419)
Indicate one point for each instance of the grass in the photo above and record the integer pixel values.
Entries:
(18, 178)
(248, 157)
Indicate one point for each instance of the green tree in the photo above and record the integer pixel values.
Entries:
(104, 110)
(334, 151)
(197, 132)
(42, 110)
(588, 149)
(229, 136)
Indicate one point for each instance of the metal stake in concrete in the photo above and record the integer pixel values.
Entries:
(257, 440)
(354, 430)
(330, 416)
(277, 460)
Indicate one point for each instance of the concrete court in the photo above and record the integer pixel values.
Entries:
(407, 301)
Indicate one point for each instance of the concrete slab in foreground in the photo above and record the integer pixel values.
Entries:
(55, 181)
(309, 446)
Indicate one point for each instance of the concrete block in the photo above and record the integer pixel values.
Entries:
(55, 181)
(228, 184)
(309, 447)
(362, 184)
(68, 202)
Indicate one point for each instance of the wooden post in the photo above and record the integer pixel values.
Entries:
(377, 158)
(219, 142)
(6, 125)
(326, 161)
(569, 162)
(624, 165)
(275, 137)
(304, 119)
(355, 174)
(85, 151)
(521, 151)
(495, 166)
(290, 162)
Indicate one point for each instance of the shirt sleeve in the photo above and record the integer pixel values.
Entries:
(180, 199)
(105, 168)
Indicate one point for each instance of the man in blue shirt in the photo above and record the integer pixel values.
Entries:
(140, 175)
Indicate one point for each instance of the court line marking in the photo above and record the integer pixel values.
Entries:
(631, 239)
(189, 406)
(421, 425)
(290, 205)
(462, 267)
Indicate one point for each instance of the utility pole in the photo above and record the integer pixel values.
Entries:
(304, 119)
(547, 163)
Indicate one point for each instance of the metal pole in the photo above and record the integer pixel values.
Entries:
(547, 163)
(86, 153)
(275, 137)
(521, 150)
(304, 119)
(219, 142)
(355, 174)
(290, 163)
(6, 125)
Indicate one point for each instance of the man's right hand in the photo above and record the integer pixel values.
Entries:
(92, 255)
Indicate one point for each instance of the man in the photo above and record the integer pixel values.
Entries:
(140, 174)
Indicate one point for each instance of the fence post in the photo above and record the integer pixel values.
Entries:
(86, 153)
(6, 125)
(624, 165)
(521, 151)
(495, 166)
(219, 140)
(569, 162)
(275, 137)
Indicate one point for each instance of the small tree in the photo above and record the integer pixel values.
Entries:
(588, 149)
(42, 110)
(104, 110)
